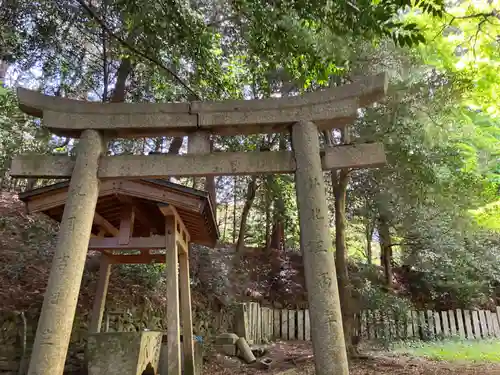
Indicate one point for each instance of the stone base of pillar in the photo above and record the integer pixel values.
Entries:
(119, 353)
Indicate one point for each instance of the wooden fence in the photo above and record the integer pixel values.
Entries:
(263, 324)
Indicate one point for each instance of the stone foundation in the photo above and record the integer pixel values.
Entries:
(120, 353)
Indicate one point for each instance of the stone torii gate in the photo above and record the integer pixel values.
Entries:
(94, 123)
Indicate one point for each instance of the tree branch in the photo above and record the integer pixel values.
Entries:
(135, 50)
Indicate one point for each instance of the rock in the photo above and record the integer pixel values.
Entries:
(259, 350)
(266, 363)
(226, 338)
(227, 349)
(6, 365)
(228, 362)
(244, 351)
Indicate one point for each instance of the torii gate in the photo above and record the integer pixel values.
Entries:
(94, 122)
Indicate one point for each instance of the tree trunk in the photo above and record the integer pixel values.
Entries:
(225, 220)
(175, 145)
(369, 228)
(124, 71)
(278, 230)
(385, 249)
(235, 200)
(250, 196)
(210, 186)
(267, 238)
(340, 180)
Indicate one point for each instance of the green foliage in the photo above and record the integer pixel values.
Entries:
(454, 350)
(18, 132)
(147, 275)
(488, 216)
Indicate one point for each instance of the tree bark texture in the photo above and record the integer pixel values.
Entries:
(250, 196)
(59, 305)
(340, 180)
(319, 266)
(385, 249)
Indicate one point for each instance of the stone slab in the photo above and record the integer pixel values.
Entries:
(227, 349)
(226, 338)
(119, 353)
(217, 164)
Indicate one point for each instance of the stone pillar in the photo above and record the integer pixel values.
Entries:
(199, 143)
(319, 265)
(59, 305)
(100, 295)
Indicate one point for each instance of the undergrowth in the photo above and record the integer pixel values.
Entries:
(454, 350)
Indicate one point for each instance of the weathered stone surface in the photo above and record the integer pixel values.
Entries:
(59, 305)
(266, 363)
(226, 338)
(244, 351)
(319, 263)
(329, 108)
(259, 350)
(227, 349)
(214, 164)
(123, 352)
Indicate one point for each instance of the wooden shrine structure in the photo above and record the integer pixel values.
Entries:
(143, 222)
(92, 171)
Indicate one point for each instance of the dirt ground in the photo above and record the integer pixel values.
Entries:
(376, 362)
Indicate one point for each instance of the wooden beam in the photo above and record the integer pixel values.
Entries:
(106, 225)
(153, 192)
(100, 295)
(143, 258)
(366, 155)
(186, 314)
(182, 236)
(173, 318)
(135, 243)
(59, 198)
(127, 216)
(141, 212)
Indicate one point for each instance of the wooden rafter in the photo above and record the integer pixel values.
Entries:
(141, 212)
(182, 237)
(105, 225)
(143, 258)
(126, 224)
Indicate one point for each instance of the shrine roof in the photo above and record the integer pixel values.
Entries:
(146, 195)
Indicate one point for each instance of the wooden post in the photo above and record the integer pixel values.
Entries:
(59, 305)
(173, 320)
(100, 295)
(319, 266)
(187, 317)
(126, 224)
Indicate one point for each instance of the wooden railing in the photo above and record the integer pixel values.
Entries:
(263, 324)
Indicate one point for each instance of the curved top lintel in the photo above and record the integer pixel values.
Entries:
(365, 89)
(35, 104)
(333, 107)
